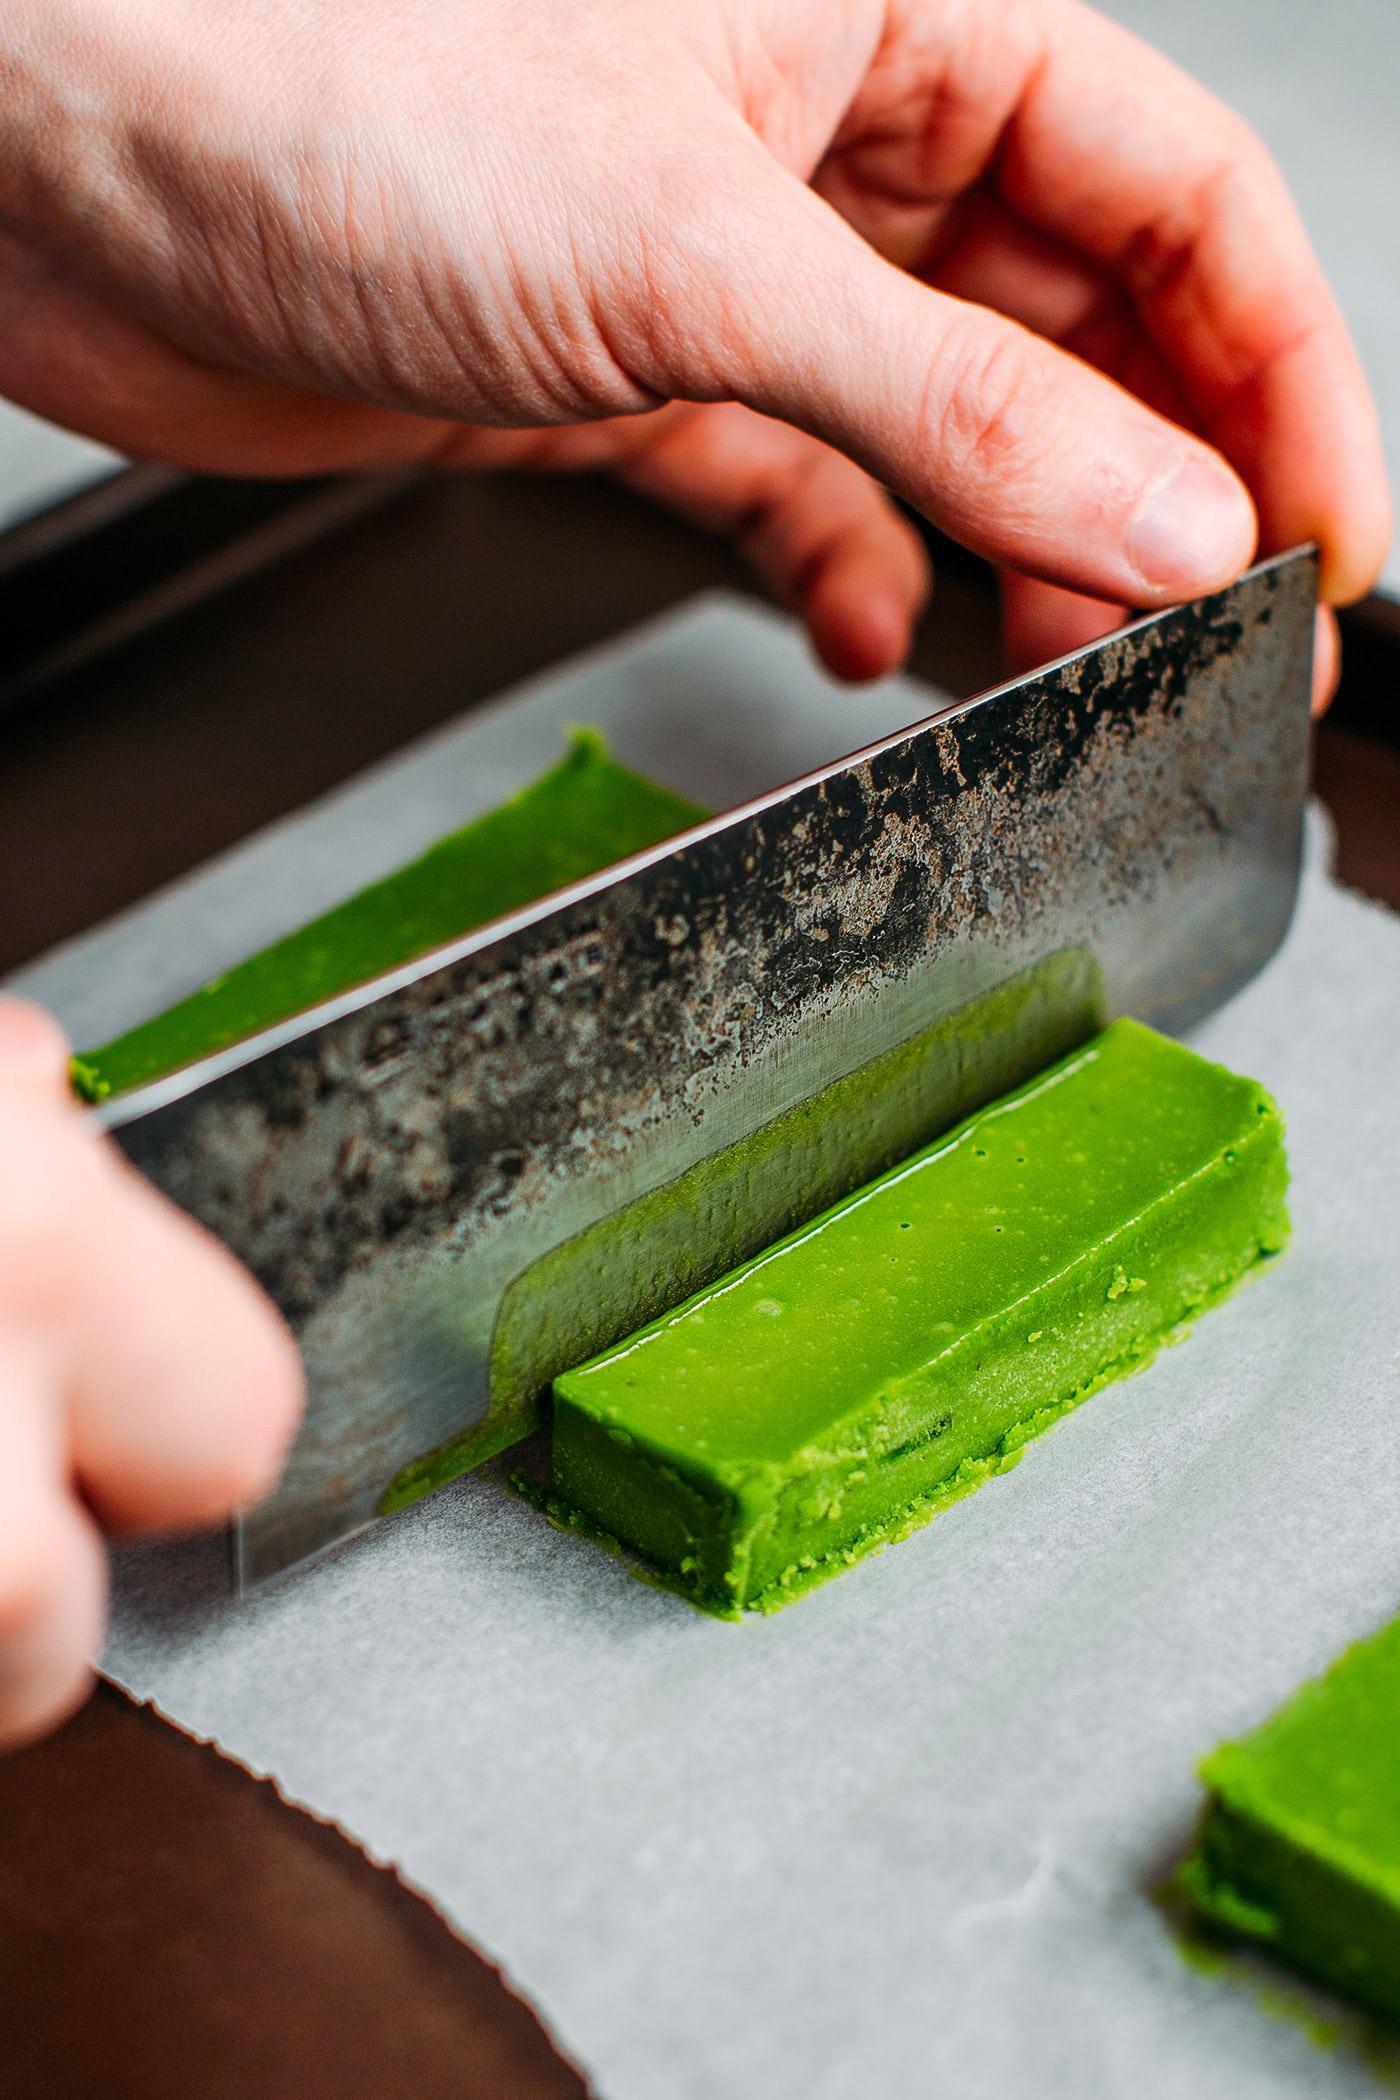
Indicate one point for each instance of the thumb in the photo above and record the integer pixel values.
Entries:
(1009, 444)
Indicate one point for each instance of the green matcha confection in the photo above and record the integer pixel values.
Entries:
(583, 815)
(1300, 1843)
(634, 1264)
(835, 1390)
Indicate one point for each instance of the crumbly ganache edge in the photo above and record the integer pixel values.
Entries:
(1297, 1848)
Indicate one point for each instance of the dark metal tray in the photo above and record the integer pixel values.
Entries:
(183, 658)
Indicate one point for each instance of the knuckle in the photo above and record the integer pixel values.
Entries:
(1237, 186)
(697, 308)
(986, 409)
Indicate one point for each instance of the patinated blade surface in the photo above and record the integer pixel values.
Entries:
(392, 1164)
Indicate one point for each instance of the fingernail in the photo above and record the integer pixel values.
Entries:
(1193, 531)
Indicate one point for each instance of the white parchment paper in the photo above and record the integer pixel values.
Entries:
(899, 1839)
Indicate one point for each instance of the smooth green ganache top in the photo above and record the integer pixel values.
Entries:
(583, 815)
(1300, 1842)
(904, 1344)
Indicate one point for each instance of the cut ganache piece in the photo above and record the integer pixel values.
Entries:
(634, 1264)
(837, 1389)
(1299, 1847)
(583, 815)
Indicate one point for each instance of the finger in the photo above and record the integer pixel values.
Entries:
(829, 542)
(1327, 660)
(1118, 154)
(1105, 153)
(990, 256)
(1041, 623)
(33, 1050)
(52, 1574)
(824, 537)
(1015, 448)
(186, 1384)
(994, 259)
(181, 1381)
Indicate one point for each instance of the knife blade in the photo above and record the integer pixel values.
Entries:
(500, 1157)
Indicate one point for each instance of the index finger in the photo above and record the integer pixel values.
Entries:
(1114, 151)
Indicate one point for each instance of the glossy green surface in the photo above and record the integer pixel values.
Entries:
(895, 1351)
(638, 1262)
(1300, 1843)
(582, 816)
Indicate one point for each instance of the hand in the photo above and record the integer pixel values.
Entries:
(996, 251)
(144, 1383)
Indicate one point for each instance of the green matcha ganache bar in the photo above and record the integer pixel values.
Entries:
(583, 815)
(834, 1391)
(1299, 1847)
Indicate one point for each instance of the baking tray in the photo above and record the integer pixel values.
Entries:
(182, 659)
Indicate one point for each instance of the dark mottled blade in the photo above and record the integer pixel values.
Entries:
(397, 1164)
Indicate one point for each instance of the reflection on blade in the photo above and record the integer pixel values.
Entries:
(401, 1167)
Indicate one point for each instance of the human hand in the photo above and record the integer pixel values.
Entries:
(144, 1384)
(996, 251)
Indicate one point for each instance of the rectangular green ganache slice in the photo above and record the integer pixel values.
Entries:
(1299, 1847)
(583, 815)
(833, 1391)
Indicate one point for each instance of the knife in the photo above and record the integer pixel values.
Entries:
(462, 1177)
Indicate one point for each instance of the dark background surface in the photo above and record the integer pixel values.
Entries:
(168, 1926)
(126, 772)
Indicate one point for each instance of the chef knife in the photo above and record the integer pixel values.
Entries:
(466, 1174)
